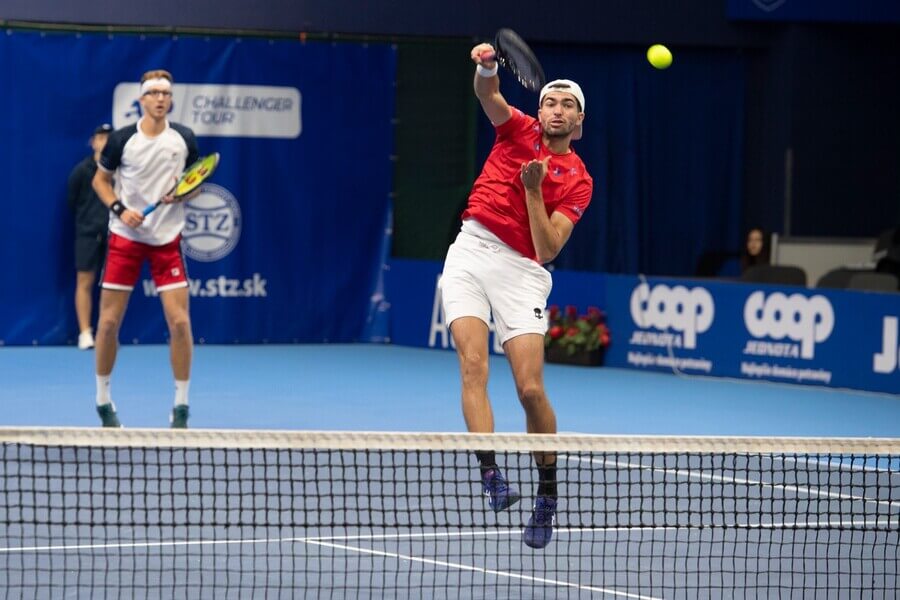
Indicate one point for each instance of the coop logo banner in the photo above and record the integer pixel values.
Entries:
(886, 361)
(677, 315)
(803, 321)
(687, 312)
(257, 111)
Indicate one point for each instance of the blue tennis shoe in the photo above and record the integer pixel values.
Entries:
(108, 415)
(501, 495)
(179, 417)
(540, 526)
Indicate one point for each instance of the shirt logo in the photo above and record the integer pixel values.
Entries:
(538, 314)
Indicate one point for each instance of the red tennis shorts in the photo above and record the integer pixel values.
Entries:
(125, 257)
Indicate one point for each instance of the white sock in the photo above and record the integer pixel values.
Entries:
(181, 392)
(103, 396)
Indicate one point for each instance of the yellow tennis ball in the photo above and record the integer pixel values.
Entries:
(659, 56)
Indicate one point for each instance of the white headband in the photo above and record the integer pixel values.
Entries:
(158, 83)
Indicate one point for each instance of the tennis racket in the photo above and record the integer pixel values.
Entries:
(190, 180)
(515, 56)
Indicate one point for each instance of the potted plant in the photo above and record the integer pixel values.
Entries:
(576, 339)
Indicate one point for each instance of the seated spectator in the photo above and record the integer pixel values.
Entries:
(755, 250)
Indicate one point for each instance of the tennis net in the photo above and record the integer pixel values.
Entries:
(234, 514)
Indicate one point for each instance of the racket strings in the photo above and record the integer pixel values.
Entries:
(514, 55)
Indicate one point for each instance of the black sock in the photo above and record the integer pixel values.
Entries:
(547, 480)
(487, 460)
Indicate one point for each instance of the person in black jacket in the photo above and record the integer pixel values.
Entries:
(91, 227)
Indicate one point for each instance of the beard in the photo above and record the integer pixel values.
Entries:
(560, 132)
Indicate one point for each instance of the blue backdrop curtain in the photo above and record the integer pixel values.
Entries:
(305, 212)
(664, 149)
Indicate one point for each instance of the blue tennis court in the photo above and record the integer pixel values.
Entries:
(318, 522)
(370, 387)
(282, 513)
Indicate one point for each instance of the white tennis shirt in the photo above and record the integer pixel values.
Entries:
(144, 169)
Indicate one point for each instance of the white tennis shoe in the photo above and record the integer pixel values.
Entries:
(85, 340)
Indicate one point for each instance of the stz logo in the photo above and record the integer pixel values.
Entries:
(212, 224)
(801, 319)
(889, 357)
(687, 311)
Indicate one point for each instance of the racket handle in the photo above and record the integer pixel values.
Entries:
(488, 56)
(151, 208)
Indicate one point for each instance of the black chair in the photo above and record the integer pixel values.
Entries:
(775, 274)
(887, 239)
(886, 254)
(838, 279)
(713, 262)
(876, 282)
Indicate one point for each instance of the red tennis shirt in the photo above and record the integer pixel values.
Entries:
(497, 200)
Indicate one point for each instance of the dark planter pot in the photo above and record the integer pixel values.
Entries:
(584, 358)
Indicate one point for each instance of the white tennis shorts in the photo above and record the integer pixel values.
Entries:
(482, 275)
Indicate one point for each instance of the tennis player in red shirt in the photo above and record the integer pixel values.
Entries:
(523, 207)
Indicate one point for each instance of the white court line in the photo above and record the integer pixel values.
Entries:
(840, 466)
(462, 567)
(689, 473)
(330, 542)
(788, 525)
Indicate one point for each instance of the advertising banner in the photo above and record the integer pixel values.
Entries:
(286, 242)
(835, 338)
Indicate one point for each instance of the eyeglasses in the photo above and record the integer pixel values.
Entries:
(157, 93)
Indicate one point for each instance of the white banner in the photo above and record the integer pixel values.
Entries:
(221, 110)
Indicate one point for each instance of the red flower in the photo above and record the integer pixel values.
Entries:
(576, 332)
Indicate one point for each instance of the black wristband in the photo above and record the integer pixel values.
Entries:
(117, 208)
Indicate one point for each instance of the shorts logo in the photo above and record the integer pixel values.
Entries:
(538, 314)
(689, 311)
(176, 272)
(212, 225)
(801, 319)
